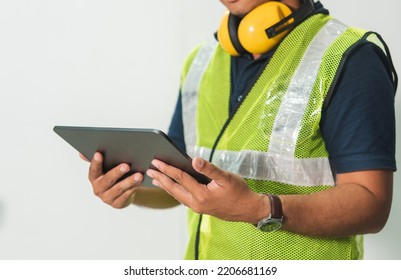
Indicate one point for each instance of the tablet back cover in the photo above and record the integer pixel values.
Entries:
(137, 147)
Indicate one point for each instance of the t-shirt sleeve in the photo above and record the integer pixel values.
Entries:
(176, 129)
(358, 126)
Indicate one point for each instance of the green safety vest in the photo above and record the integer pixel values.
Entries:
(273, 140)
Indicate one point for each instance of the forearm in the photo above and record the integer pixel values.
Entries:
(330, 213)
(346, 209)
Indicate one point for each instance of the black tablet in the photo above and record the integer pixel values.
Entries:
(137, 147)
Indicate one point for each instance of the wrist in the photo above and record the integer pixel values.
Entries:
(274, 220)
(260, 208)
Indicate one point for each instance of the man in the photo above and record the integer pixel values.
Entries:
(298, 139)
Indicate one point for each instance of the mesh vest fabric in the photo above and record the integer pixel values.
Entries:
(256, 126)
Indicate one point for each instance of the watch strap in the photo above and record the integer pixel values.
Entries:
(276, 208)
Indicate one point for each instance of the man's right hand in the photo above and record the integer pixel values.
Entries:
(106, 186)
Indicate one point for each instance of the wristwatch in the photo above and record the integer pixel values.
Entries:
(275, 219)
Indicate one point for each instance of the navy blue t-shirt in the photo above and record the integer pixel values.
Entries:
(358, 125)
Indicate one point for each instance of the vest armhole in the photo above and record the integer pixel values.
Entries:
(350, 51)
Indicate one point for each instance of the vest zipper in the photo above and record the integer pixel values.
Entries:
(197, 237)
(230, 117)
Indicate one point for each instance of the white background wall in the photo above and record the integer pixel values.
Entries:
(111, 63)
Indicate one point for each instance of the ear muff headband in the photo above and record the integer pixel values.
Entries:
(261, 29)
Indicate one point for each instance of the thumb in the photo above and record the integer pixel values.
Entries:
(209, 170)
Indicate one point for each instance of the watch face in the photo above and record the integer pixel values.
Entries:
(271, 225)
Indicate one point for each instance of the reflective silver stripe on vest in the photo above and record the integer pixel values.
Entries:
(267, 166)
(191, 90)
(279, 163)
(289, 117)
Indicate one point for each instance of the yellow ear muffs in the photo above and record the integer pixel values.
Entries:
(249, 34)
(252, 29)
(227, 34)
